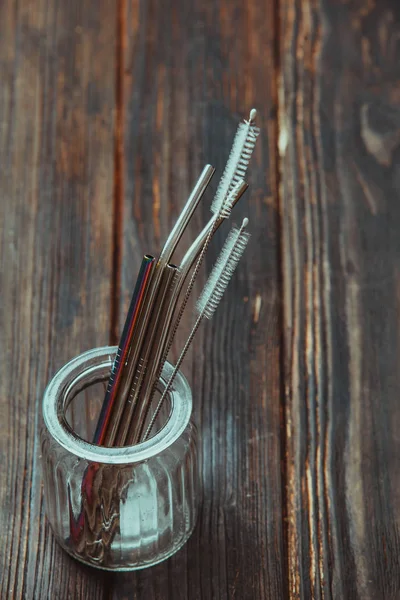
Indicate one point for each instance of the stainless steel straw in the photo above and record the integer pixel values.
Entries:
(132, 413)
(107, 430)
(164, 342)
(211, 296)
(111, 409)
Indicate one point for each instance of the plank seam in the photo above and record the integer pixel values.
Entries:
(280, 286)
(118, 175)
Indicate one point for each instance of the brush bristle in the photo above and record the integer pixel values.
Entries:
(225, 211)
(236, 167)
(222, 272)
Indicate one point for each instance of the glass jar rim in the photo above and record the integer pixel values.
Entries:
(75, 370)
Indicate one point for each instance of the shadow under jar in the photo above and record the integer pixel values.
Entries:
(117, 508)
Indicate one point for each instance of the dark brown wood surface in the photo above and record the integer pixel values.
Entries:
(339, 121)
(57, 107)
(108, 112)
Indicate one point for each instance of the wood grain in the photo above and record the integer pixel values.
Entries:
(339, 135)
(108, 112)
(186, 79)
(57, 97)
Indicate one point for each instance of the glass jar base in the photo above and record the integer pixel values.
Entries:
(126, 568)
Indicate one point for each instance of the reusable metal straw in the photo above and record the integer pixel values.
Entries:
(165, 338)
(132, 414)
(209, 300)
(111, 410)
(144, 338)
(185, 216)
(107, 430)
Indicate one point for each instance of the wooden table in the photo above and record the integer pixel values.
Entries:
(108, 112)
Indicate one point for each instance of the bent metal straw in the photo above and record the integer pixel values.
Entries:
(166, 335)
(123, 373)
(210, 298)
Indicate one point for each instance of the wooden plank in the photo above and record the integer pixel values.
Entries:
(339, 136)
(188, 72)
(57, 97)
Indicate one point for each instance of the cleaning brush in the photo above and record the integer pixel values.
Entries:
(239, 158)
(223, 213)
(211, 296)
(231, 185)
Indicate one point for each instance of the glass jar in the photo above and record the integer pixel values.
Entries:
(117, 508)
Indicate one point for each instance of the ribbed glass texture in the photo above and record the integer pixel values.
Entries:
(117, 508)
